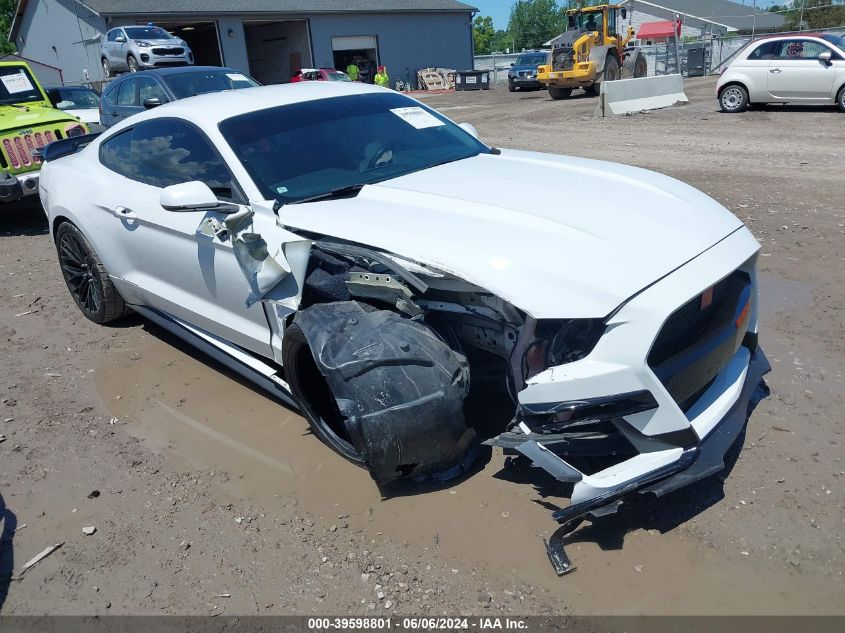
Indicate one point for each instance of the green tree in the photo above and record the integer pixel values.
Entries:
(482, 34)
(7, 14)
(817, 14)
(533, 22)
(502, 41)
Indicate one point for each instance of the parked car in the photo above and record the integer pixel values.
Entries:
(79, 101)
(373, 279)
(806, 69)
(131, 94)
(134, 48)
(523, 72)
(319, 74)
(28, 122)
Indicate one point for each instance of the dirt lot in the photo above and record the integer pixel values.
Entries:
(213, 498)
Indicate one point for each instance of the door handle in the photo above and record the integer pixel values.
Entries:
(775, 70)
(124, 214)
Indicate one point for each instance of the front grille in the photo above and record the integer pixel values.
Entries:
(700, 337)
(563, 58)
(17, 149)
(168, 51)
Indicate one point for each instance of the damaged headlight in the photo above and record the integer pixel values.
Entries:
(557, 342)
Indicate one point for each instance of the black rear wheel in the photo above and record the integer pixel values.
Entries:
(107, 68)
(640, 67)
(86, 277)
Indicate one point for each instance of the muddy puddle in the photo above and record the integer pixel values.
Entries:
(200, 417)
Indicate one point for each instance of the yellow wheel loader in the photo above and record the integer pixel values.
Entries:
(591, 51)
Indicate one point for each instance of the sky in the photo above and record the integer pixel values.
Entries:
(500, 10)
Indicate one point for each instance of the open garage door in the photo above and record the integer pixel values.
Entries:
(276, 50)
(202, 38)
(362, 50)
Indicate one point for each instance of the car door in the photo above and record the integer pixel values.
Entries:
(755, 70)
(119, 50)
(798, 75)
(108, 104)
(165, 257)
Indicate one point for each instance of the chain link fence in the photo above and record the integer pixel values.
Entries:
(691, 57)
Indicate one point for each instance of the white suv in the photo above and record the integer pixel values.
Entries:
(800, 69)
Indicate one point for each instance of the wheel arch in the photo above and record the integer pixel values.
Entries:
(734, 82)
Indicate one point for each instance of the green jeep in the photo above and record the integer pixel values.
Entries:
(28, 122)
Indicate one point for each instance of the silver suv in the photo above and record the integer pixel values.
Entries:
(134, 48)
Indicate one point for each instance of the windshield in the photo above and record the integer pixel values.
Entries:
(73, 98)
(307, 149)
(336, 75)
(836, 40)
(18, 86)
(191, 83)
(534, 59)
(590, 21)
(147, 33)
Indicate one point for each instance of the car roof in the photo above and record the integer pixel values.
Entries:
(207, 110)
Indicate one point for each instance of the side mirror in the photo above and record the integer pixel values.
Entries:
(188, 196)
(152, 102)
(624, 13)
(120, 39)
(825, 57)
(469, 128)
(511, 65)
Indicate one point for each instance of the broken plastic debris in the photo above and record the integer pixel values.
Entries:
(38, 558)
(89, 530)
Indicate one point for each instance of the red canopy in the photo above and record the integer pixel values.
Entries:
(659, 30)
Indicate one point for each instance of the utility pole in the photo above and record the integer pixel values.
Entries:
(754, 24)
(801, 19)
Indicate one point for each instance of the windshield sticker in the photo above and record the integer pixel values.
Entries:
(18, 82)
(417, 117)
(237, 76)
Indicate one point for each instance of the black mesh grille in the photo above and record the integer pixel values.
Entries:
(168, 51)
(700, 337)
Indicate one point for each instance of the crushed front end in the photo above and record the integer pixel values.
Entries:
(659, 398)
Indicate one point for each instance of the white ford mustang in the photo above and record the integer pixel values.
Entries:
(367, 260)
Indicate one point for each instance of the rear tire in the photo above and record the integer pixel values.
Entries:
(107, 71)
(313, 395)
(611, 69)
(733, 99)
(511, 87)
(560, 93)
(640, 66)
(87, 279)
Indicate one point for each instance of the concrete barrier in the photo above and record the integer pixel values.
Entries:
(626, 96)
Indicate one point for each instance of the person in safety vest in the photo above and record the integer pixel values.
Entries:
(352, 71)
(381, 77)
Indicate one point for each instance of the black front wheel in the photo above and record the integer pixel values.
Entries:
(312, 393)
(840, 100)
(132, 63)
(86, 277)
(560, 93)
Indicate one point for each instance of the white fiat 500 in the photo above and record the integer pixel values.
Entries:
(798, 69)
(416, 293)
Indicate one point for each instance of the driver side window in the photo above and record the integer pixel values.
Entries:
(164, 152)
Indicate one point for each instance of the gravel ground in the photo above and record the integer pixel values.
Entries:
(209, 498)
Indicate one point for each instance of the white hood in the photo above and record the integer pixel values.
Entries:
(558, 237)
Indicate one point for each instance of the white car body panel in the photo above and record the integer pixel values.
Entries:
(88, 115)
(517, 242)
(798, 80)
(556, 237)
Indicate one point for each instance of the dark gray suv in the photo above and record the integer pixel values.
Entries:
(135, 93)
